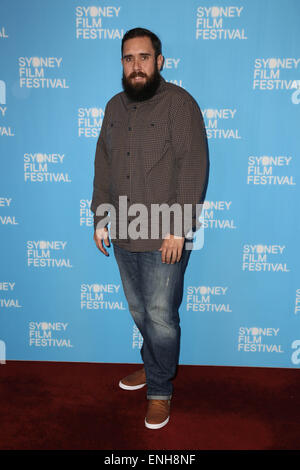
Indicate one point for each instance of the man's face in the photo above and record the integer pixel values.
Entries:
(140, 69)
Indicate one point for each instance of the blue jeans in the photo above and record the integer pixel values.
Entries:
(154, 293)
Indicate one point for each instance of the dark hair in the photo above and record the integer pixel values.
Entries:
(141, 32)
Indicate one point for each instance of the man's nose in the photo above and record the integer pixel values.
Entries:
(137, 64)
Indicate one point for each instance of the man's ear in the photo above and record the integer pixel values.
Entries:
(160, 60)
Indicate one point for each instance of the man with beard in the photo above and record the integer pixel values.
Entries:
(152, 150)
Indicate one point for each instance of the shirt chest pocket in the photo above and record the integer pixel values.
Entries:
(154, 142)
(115, 135)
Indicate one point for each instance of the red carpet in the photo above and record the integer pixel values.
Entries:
(65, 406)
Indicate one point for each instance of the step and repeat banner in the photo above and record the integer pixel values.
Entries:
(60, 298)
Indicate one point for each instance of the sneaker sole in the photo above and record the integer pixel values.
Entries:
(131, 387)
(157, 426)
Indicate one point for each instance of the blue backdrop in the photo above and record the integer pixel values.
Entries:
(60, 299)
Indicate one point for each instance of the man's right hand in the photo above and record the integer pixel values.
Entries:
(101, 235)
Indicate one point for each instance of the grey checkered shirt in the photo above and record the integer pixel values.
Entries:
(152, 152)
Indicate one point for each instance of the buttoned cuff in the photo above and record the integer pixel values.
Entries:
(97, 222)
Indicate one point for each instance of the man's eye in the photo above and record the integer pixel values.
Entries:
(145, 57)
(128, 59)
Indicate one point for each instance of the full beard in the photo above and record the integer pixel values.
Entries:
(141, 91)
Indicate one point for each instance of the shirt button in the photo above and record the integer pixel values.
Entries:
(128, 153)
(129, 128)
(127, 176)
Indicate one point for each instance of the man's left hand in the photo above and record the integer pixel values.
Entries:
(171, 249)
